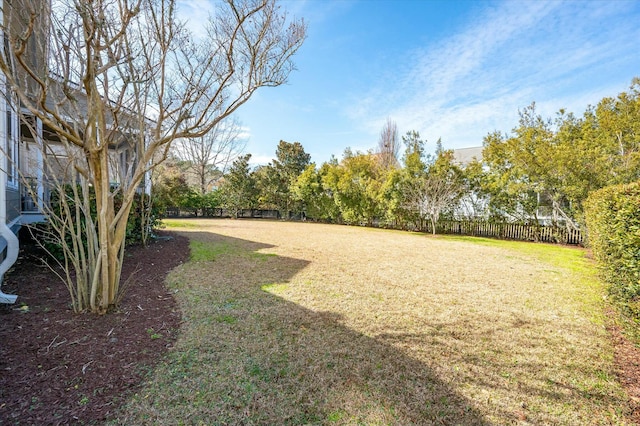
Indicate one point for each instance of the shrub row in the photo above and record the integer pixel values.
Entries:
(613, 221)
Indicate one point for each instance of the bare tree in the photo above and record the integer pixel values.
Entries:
(120, 80)
(388, 144)
(437, 189)
(209, 156)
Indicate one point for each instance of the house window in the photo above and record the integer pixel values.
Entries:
(12, 147)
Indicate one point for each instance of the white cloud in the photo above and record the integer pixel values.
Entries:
(453, 65)
(260, 160)
(196, 13)
(558, 54)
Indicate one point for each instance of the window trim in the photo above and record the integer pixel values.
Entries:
(12, 154)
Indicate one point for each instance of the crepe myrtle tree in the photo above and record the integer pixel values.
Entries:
(111, 73)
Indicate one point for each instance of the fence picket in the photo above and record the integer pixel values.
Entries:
(512, 231)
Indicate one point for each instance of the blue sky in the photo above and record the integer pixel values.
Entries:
(455, 70)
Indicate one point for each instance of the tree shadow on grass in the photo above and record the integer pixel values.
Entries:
(247, 356)
(559, 387)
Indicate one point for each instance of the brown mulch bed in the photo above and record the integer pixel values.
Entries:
(57, 367)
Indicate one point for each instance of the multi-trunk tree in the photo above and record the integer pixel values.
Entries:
(128, 73)
(428, 185)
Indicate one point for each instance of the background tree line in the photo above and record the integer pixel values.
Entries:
(542, 171)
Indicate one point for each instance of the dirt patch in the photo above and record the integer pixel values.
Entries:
(627, 359)
(57, 367)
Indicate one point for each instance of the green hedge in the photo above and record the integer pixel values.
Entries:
(613, 222)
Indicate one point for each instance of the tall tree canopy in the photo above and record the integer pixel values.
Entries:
(276, 179)
(557, 163)
(238, 190)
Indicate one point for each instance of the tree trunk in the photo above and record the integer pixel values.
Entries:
(203, 180)
(111, 235)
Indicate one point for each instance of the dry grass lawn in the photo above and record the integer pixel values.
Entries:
(295, 323)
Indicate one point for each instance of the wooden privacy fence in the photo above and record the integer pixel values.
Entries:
(475, 228)
(510, 231)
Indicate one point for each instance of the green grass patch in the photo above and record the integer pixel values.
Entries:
(203, 252)
(178, 223)
(558, 255)
(226, 319)
(570, 265)
(274, 288)
(335, 416)
(262, 256)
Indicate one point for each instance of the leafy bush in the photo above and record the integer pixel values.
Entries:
(142, 215)
(171, 191)
(210, 201)
(174, 192)
(142, 218)
(613, 221)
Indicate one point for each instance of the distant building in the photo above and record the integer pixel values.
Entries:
(471, 205)
(464, 156)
